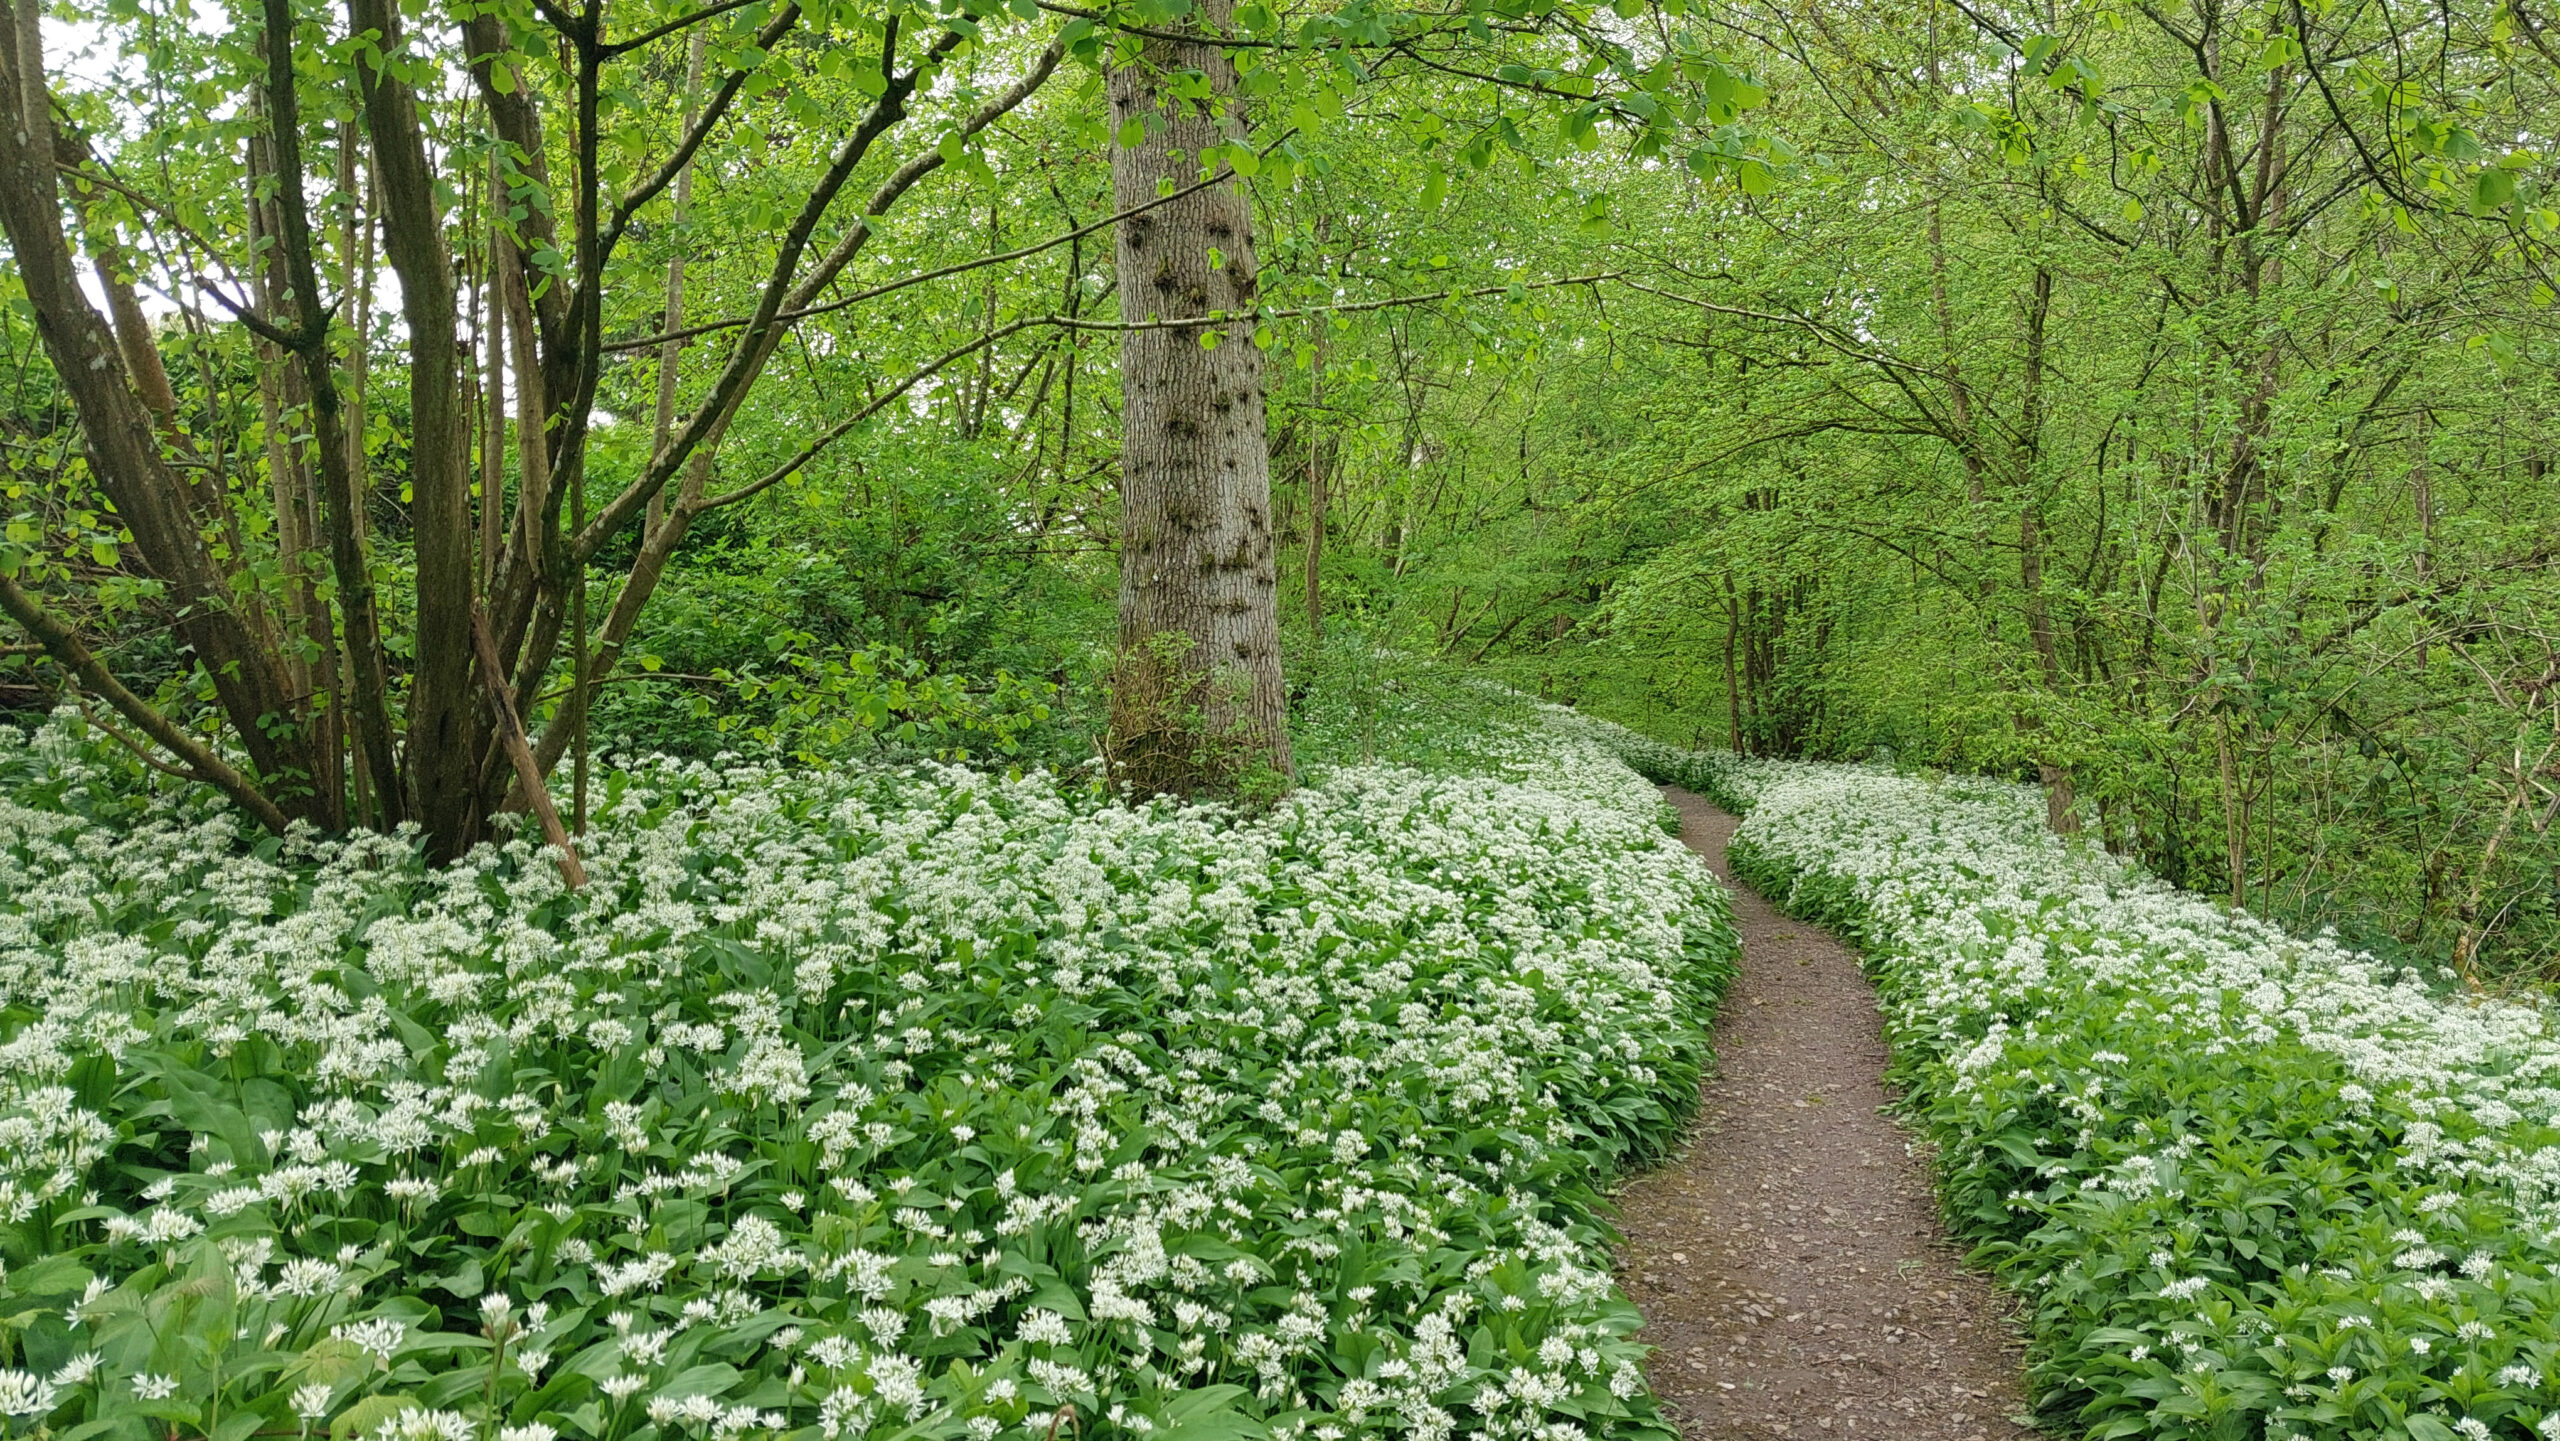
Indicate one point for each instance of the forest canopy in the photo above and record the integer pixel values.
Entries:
(408, 404)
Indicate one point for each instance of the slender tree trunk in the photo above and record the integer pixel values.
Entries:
(357, 238)
(668, 353)
(284, 485)
(2059, 814)
(115, 277)
(1732, 677)
(1317, 448)
(141, 350)
(289, 392)
(366, 702)
(355, 242)
(442, 766)
(493, 412)
(1197, 700)
(2235, 819)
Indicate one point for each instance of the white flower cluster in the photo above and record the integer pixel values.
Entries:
(2250, 1181)
(850, 1101)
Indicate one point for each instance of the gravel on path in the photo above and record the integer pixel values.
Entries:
(1790, 1265)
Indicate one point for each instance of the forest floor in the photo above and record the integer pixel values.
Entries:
(1790, 1265)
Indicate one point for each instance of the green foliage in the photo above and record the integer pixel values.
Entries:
(767, 647)
(2027, 433)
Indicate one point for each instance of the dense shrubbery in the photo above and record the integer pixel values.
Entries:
(814, 650)
(2248, 1184)
(919, 1104)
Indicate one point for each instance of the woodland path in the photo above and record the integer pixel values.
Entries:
(1790, 1264)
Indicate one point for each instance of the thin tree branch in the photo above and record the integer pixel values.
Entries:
(1069, 322)
(620, 48)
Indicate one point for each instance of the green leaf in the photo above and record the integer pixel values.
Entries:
(368, 1415)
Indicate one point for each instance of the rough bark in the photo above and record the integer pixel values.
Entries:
(1197, 701)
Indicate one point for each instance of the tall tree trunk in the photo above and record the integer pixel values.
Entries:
(366, 703)
(493, 407)
(287, 398)
(674, 318)
(2235, 820)
(1318, 449)
(356, 239)
(442, 766)
(1732, 677)
(1197, 700)
(115, 277)
(2059, 814)
(355, 242)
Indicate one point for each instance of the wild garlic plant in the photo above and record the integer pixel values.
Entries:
(2248, 1183)
(921, 1103)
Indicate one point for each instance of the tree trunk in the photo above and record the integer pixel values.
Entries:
(365, 701)
(1197, 702)
(1732, 678)
(673, 319)
(2059, 814)
(294, 389)
(493, 405)
(442, 766)
(1318, 444)
(2235, 823)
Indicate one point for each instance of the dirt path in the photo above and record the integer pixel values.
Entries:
(1791, 1266)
